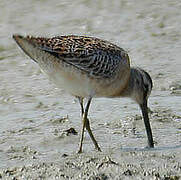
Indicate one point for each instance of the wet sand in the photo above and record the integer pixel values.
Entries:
(126, 162)
(36, 139)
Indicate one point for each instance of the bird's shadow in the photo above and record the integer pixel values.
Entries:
(163, 148)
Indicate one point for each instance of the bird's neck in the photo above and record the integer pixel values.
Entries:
(134, 86)
(128, 90)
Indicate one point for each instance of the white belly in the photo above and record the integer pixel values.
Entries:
(79, 83)
(73, 82)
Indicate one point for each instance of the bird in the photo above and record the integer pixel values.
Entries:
(89, 67)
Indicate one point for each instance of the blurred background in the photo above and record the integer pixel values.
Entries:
(34, 113)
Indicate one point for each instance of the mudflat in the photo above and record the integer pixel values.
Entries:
(40, 124)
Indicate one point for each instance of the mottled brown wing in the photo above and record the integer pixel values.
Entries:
(92, 55)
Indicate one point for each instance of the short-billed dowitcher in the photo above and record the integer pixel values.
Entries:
(89, 67)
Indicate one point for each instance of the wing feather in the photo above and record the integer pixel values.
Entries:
(92, 55)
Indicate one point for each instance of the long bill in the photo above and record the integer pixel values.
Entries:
(144, 110)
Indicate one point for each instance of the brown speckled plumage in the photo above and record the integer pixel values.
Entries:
(89, 67)
(95, 56)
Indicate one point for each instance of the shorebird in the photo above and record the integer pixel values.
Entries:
(88, 67)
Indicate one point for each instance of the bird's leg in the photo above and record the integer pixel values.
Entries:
(144, 110)
(84, 119)
(86, 124)
(91, 135)
(81, 105)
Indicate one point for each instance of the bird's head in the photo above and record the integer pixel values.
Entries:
(140, 85)
(139, 88)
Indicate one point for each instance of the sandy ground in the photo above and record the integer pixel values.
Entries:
(162, 162)
(129, 165)
(36, 141)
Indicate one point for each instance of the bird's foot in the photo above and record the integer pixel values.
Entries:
(98, 148)
(79, 151)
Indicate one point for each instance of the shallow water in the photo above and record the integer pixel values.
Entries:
(34, 113)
